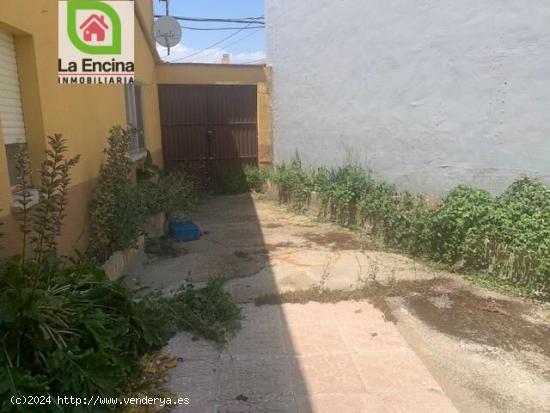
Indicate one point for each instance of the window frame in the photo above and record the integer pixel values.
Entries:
(135, 119)
(10, 147)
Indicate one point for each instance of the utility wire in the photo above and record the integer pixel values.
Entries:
(256, 20)
(240, 39)
(253, 61)
(213, 45)
(221, 28)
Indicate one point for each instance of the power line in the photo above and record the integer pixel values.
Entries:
(254, 61)
(220, 28)
(242, 38)
(256, 20)
(213, 45)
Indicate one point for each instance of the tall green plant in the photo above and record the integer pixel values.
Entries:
(295, 183)
(23, 194)
(54, 180)
(43, 223)
(115, 216)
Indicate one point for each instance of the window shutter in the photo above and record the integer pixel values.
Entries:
(11, 110)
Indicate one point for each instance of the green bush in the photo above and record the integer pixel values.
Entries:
(523, 241)
(231, 180)
(160, 192)
(237, 180)
(507, 235)
(340, 190)
(408, 224)
(209, 312)
(68, 330)
(116, 219)
(254, 178)
(65, 328)
(295, 183)
(121, 207)
(462, 227)
(169, 193)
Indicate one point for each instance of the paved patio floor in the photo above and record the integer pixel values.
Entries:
(450, 345)
(298, 358)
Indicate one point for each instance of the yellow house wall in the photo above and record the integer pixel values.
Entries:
(85, 113)
(82, 113)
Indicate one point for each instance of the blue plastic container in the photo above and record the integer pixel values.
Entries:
(185, 231)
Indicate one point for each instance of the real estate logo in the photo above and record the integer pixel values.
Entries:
(96, 42)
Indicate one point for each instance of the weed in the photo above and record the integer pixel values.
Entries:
(371, 290)
(324, 276)
(507, 236)
(208, 312)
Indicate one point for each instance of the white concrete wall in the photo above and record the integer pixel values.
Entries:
(427, 93)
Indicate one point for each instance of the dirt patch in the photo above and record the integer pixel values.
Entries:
(381, 303)
(240, 254)
(273, 247)
(336, 240)
(375, 292)
(459, 313)
(272, 225)
(259, 251)
(486, 321)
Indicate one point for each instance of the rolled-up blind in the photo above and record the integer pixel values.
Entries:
(11, 110)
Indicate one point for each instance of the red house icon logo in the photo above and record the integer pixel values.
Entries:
(94, 26)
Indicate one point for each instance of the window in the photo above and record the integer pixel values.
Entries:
(11, 109)
(134, 117)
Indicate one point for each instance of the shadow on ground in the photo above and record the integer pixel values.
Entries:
(290, 357)
(343, 351)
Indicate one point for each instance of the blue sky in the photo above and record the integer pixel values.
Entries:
(245, 47)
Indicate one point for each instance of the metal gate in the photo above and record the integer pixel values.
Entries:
(208, 130)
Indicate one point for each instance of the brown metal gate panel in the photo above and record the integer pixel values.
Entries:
(207, 130)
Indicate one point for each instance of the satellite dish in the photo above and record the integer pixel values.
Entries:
(167, 31)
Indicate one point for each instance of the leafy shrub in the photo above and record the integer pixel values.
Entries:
(239, 180)
(408, 224)
(254, 178)
(523, 243)
(527, 205)
(229, 181)
(341, 190)
(507, 235)
(463, 225)
(161, 192)
(67, 329)
(116, 218)
(295, 183)
(207, 311)
(120, 207)
(170, 193)
(42, 226)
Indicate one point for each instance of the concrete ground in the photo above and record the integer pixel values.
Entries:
(432, 343)
(307, 358)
